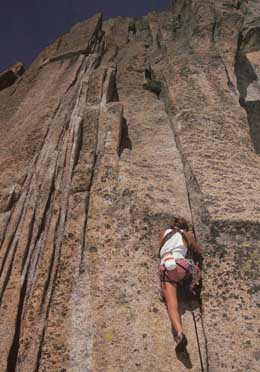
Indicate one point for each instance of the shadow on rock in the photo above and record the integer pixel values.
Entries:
(188, 305)
(184, 358)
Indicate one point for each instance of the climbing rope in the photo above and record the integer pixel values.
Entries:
(194, 318)
(198, 341)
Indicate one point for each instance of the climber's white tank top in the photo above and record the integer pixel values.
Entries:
(174, 245)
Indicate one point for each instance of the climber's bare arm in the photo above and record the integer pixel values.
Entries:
(193, 243)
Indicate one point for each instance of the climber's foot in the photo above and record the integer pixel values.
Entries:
(181, 342)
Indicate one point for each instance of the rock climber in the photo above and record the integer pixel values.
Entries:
(174, 267)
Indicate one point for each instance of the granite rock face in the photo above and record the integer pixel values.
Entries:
(114, 129)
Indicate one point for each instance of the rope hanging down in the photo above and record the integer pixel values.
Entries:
(198, 341)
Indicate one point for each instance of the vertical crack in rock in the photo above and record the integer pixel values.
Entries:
(73, 158)
(249, 89)
(196, 85)
(130, 197)
(83, 173)
(81, 320)
(125, 141)
(218, 33)
(195, 206)
(247, 70)
(103, 183)
(47, 192)
(11, 231)
(110, 93)
(12, 356)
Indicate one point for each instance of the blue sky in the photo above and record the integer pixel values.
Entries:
(28, 26)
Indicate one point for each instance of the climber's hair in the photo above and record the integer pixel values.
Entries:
(181, 223)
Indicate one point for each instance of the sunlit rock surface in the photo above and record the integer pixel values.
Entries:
(114, 129)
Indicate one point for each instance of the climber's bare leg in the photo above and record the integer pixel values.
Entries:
(170, 294)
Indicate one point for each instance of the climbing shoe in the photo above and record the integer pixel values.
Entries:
(181, 342)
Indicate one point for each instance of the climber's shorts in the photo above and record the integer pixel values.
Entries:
(176, 275)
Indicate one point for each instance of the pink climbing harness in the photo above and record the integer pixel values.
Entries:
(174, 270)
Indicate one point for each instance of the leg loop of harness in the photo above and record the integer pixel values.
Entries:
(162, 273)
